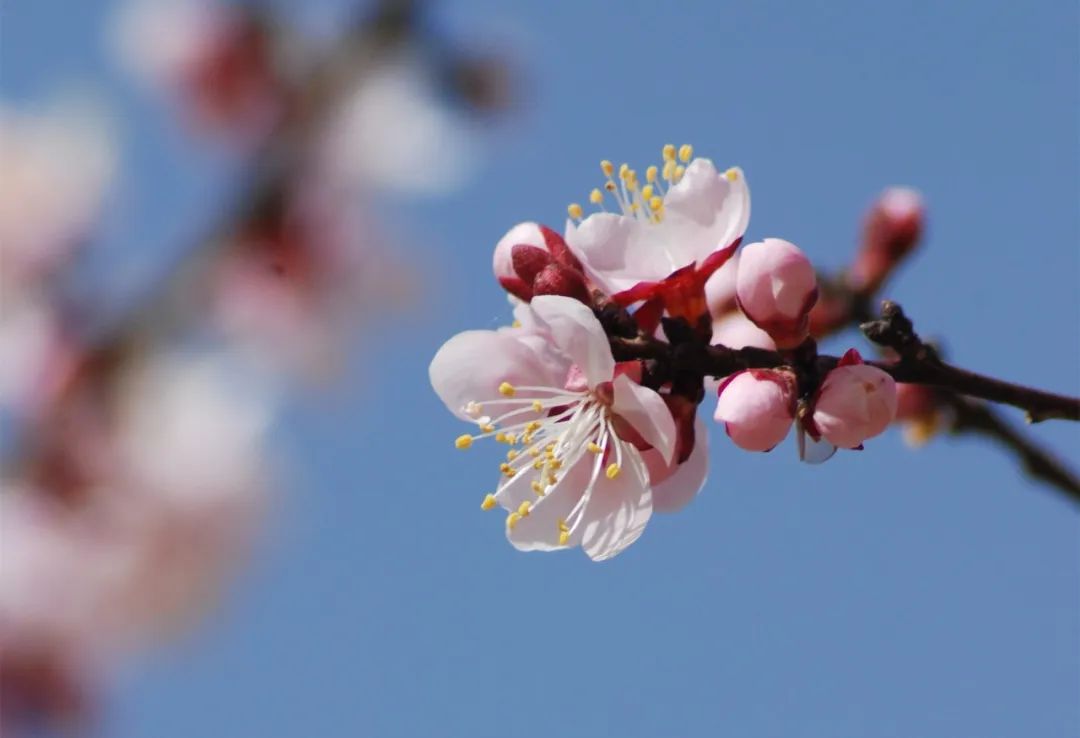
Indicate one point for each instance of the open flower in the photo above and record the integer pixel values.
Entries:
(583, 434)
(669, 234)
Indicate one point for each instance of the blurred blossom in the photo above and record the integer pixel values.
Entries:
(175, 499)
(37, 355)
(295, 283)
(57, 166)
(214, 56)
(395, 131)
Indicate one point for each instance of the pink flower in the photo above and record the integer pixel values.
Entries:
(735, 330)
(757, 407)
(677, 218)
(532, 259)
(856, 402)
(892, 229)
(776, 287)
(582, 434)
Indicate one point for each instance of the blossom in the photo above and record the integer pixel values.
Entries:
(532, 259)
(757, 407)
(583, 434)
(58, 164)
(683, 214)
(856, 402)
(775, 288)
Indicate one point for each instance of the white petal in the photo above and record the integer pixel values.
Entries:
(471, 366)
(618, 510)
(539, 530)
(618, 252)
(675, 491)
(645, 410)
(577, 333)
(705, 211)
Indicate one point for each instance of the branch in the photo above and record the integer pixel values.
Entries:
(919, 364)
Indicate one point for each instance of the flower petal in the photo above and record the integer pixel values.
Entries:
(539, 530)
(682, 483)
(647, 412)
(577, 333)
(471, 366)
(618, 510)
(707, 209)
(618, 252)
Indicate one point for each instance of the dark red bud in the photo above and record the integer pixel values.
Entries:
(517, 288)
(528, 261)
(556, 279)
(560, 251)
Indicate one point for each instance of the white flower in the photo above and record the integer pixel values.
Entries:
(679, 218)
(583, 435)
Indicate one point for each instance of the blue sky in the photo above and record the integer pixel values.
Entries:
(887, 593)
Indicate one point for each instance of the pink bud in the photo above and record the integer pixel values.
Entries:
(757, 407)
(775, 288)
(856, 402)
(892, 229)
(735, 331)
(531, 252)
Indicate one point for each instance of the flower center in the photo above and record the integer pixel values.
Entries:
(548, 429)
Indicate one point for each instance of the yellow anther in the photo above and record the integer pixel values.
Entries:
(732, 174)
(532, 426)
(563, 527)
(500, 437)
(632, 180)
(650, 174)
(487, 428)
(679, 172)
(554, 464)
(507, 390)
(610, 186)
(538, 488)
(647, 192)
(523, 508)
(511, 454)
(686, 152)
(575, 211)
(624, 170)
(463, 442)
(534, 452)
(516, 324)
(607, 167)
(488, 503)
(552, 480)
(506, 469)
(537, 406)
(527, 439)
(612, 471)
(473, 409)
(538, 464)
(512, 519)
(669, 152)
(655, 203)
(669, 170)
(564, 537)
(594, 448)
(596, 197)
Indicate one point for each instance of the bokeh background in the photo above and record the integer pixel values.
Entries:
(886, 593)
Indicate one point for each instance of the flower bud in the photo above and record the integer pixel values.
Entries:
(530, 252)
(891, 231)
(735, 331)
(757, 407)
(775, 288)
(856, 401)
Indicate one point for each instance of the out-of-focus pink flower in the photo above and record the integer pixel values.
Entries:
(395, 133)
(757, 407)
(214, 55)
(892, 229)
(38, 356)
(776, 287)
(576, 424)
(532, 259)
(856, 402)
(720, 289)
(918, 410)
(58, 165)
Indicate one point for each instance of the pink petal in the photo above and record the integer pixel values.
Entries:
(617, 511)
(674, 487)
(577, 333)
(647, 412)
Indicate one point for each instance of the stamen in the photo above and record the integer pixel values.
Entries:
(523, 508)
(575, 211)
(507, 390)
(669, 152)
(686, 152)
(488, 503)
(607, 168)
(512, 520)
(596, 196)
(463, 442)
(732, 174)
(612, 471)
